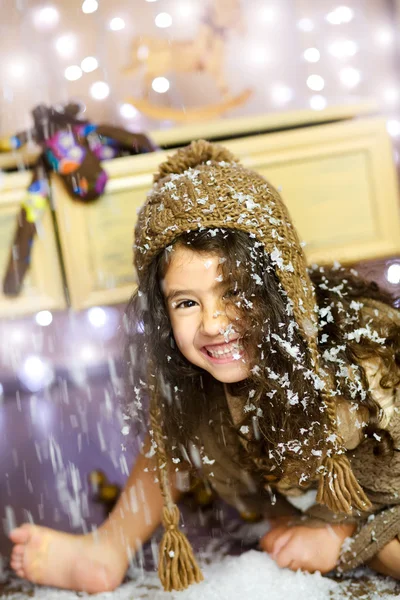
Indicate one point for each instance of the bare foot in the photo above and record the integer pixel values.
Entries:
(72, 562)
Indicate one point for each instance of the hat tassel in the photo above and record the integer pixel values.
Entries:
(177, 567)
(338, 488)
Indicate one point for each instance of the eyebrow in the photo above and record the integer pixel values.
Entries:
(175, 293)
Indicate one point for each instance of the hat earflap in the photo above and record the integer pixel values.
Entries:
(177, 565)
(338, 487)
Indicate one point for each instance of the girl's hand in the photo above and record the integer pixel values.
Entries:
(308, 548)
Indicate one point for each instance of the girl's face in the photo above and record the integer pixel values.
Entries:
(196, 297)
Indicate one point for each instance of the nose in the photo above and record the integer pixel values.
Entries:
(214, 320)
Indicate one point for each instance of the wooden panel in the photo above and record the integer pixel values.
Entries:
(273, 121)
(43, 286)
(339, 184)
(96, 239)
(338, 181)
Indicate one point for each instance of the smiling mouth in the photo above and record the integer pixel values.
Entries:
(229, 351)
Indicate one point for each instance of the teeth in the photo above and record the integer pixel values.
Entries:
(234, 348)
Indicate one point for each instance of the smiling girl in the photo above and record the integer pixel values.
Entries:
(275, 384)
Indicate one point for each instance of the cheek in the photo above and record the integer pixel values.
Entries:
(183, 332)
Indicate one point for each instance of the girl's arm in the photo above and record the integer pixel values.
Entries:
(387, 561)
(138, 511)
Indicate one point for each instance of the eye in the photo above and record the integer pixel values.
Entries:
(185, 304)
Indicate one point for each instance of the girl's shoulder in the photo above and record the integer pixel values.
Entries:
(377, 312)
(352, 416)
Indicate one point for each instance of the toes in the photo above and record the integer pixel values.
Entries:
(20, 573)
(18, 550)
(21, 535)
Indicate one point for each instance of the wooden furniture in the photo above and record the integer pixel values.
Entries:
(334, 169)
(43, 286)
(337, 178)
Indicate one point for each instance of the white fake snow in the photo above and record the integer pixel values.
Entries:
(251, 576)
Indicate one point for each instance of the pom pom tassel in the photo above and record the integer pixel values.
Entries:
(338, 488)
(177, 567)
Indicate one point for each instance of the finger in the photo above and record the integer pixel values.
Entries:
(286, 558)
(268, 540)
(281, 543)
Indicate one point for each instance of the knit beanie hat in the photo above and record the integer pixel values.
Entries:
(204, 186)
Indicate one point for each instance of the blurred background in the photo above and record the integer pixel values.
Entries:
(145, 66)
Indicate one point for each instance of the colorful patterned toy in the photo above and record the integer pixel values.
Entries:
(73, 148)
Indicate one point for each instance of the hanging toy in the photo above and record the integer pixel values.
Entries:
(73, 148)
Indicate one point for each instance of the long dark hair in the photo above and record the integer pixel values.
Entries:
(283, 407)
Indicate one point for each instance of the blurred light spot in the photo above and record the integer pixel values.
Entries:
(268, 14)
(89, 64)
(393, 127)
(187, 9)
(391, 95)
(343, 48)
(393, 273)
(46, 17)
(305, 25)
(160, 85)
(1, 390)
(142, 52)
(140, 327)
(66, 45)
(73, 73)
(117, 24)
(281, 93)
(350, 77)
(315, 83)
(35, 373)
(88, 353)
(341, 14)
(163, 20)
(44, 318)
(257, 54)
(100, 90)
(318, 102)
(90, 6)
(127, 111)
(17, 70)
(97, 316)
(384, 37)
(312, 55)
(17, 335)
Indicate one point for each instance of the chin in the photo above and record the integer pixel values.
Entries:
(233, 377)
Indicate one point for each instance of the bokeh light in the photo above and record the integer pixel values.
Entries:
(350, 77)
(163, 20)
(116, 24)
(73, 73)
(90, 6)
(89, 64)
(100, 90)
(46, 17)
(127, 111)
(35, 373)
(315, 83)
(66, 45)
(160, 85)
(318, 102)
(312, 55)
(97, 316)
(44, 318)
(393, 273)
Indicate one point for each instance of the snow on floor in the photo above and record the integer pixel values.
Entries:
(253, 575)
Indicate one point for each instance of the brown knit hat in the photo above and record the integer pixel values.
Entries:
(204, 186)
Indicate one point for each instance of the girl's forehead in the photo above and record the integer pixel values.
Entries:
(186, 264)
